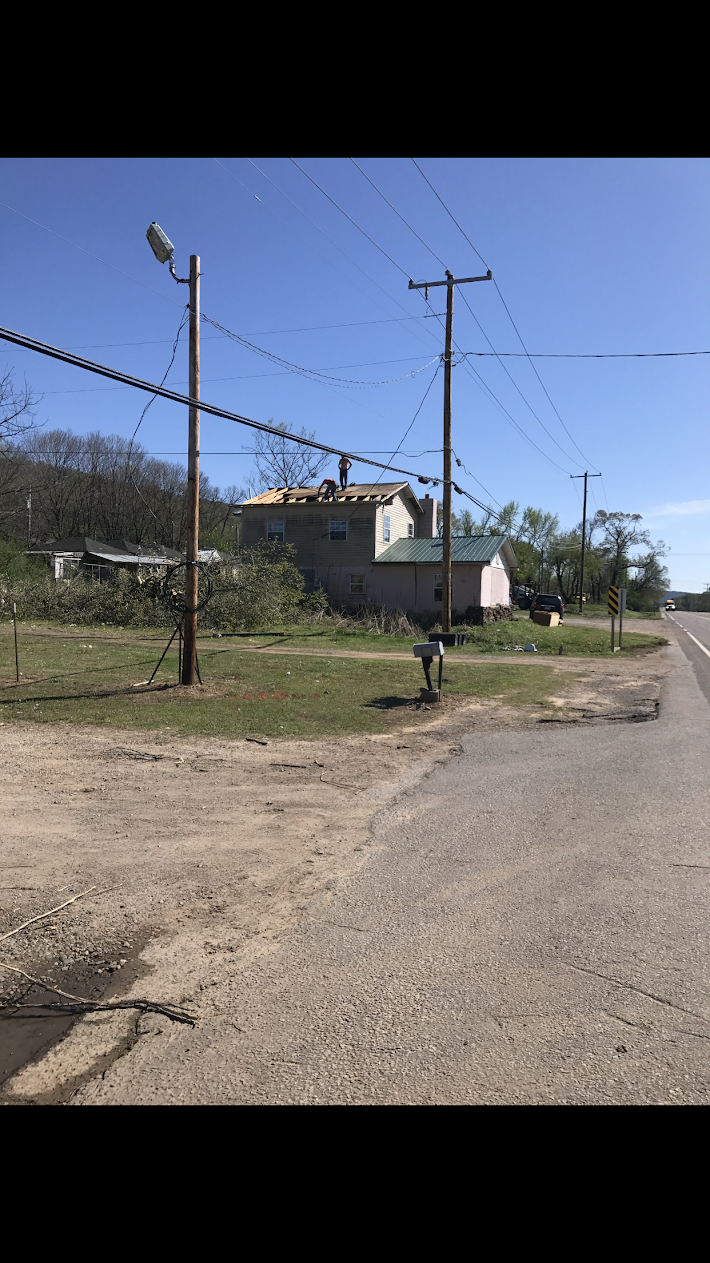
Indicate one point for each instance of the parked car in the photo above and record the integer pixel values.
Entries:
(549, 603)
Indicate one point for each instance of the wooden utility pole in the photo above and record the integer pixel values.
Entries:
(14, 623)
(446, 540)
(193, 481)
(585, 476)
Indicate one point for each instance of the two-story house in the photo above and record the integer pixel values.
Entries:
(378, 543)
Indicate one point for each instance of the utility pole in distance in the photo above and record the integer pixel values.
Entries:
(425, 285)
(585, 476)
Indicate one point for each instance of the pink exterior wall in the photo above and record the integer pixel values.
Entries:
(411, 587)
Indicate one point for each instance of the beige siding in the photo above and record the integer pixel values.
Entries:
(308, 528)
(401, 513)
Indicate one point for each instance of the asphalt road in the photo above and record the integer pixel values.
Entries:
(530, 928)
(694, 640)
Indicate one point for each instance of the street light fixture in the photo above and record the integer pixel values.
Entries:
(164, 250)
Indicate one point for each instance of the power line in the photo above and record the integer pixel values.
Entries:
(138, 383)
(315, 225)
(512, 379)
(181, 326)
(263, 333)
(89, 252)
(393, 208)
(448, 212)
(323, 233)
(103, 370)
(327, 237)
(311, 373)
(500, 295)
(477, 376)
(587, 355)
(475, 479)
(350, 220)
(300, 238)
(406, 432)
(435, 256)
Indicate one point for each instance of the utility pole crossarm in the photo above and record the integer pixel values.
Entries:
(463, 280)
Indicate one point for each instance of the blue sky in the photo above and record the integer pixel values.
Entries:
(591, 256)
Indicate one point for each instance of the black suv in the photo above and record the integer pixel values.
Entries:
(550, 604)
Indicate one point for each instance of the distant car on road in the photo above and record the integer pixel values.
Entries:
(670, 604)
(549, 603)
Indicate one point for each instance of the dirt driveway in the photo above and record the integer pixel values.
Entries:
(197, 854)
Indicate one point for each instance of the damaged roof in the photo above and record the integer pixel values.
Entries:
(366, 492)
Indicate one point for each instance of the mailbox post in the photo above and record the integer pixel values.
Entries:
(427, 652)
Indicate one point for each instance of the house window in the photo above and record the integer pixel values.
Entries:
(275, 532)
(438, 588)
(388, 528)
(357, 585)
(338, 530)
(410, 529)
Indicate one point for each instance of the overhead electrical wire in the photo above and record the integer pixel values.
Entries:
(66, 357)
(311, 373)
(350, 219)
(470, 370)
(90, 254)
(327, 237)
(127, 379)
(507, 309)
(439, 260)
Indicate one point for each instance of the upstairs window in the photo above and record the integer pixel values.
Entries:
(410, 530)
(275, 532)
(338, 530)
(388, 528)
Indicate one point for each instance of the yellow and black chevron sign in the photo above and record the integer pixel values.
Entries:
(613, 601)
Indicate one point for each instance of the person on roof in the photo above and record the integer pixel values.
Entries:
(330, 488)
(344, 466)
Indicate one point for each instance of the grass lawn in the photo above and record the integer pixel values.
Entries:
(601, 611)
(577, 642)
(86, 680)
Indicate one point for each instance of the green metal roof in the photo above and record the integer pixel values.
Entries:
(464, 548)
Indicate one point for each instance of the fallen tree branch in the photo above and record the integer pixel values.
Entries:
(79, 1005)
(42, 915)
(340, 784)
(38, 982)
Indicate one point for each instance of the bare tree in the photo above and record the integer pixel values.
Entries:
(17, 407)
(283, 463)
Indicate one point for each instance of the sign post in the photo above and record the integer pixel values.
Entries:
(613, 608)
(622, 611)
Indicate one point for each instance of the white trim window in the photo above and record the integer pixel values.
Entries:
(387, 529)
(275, 532)
(410, 530)
(439, 588)
(338, 530)
(357, 585)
